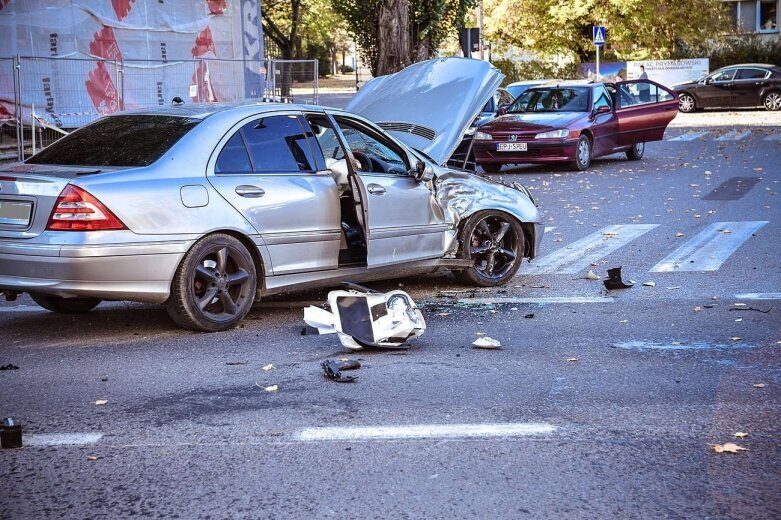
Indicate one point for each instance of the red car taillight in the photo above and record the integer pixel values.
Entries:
(77, 210)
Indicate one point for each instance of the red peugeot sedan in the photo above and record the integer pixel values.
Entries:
(574, 122)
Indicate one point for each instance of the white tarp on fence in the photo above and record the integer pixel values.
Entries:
(669, 72)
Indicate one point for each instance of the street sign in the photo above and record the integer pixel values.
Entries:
(598, 35)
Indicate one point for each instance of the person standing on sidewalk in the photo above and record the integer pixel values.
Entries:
(644, 88)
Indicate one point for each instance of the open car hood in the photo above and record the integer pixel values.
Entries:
(430, 104)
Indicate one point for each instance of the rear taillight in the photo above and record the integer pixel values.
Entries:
(77, 210)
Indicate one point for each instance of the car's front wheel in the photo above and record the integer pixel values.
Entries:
(214, 287)
(635, 153)
(686, 103)
(773, 100)
(65, 305)
(582, 153)
(494, 243)
(491, 167)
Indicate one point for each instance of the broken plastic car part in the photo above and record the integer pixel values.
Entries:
(365, 318)
(332, 370)
(614, 280)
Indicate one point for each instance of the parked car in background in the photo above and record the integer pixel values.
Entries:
(519, 87)
(574, 122)
(463, 156)
(746, 85)
(206, 208)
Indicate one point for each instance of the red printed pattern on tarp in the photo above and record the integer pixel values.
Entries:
(204, 43)
(100, 86)
(122, 7)
(215, 6)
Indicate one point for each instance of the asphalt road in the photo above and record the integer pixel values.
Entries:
(600, 405)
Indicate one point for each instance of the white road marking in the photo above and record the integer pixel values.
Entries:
(23, 308)
(733, 135)
(710, 248)
(775, 137)
(581, 254)
(759, 296)
(60, 439)
(423, 431)
(689, 136)
(550, 299)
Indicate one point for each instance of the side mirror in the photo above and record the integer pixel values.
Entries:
(422, 173)
(604, 109)
(502, 110)
(708, 81)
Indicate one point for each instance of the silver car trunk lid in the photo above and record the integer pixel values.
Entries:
(28, 193)
(429, 105)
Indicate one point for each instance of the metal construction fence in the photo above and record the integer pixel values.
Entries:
(42, 99)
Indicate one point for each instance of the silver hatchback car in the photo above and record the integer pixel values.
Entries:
(206, 208)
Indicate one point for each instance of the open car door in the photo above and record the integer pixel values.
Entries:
(644, 109)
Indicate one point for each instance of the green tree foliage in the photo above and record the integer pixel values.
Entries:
(427, 23)
(636, 29)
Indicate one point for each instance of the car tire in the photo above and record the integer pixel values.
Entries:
(62, 305)
(636, 152)
(490, 167)
(686, 103)
(772, 100)
(582, 153)
(214, 286)
(494, 242)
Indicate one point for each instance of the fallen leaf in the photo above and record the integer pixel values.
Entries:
(92, 457)
(101, 402)
(624, 321)
(268, 367)
(697, 309)
(738, 319)
(741, 435)
(679, 235)
(728, 447)
(272, 388)
(760, 385)
(571, 359)
(649, 284)
(487, 343)
(443, 314)
(591, 275)
(735, 338)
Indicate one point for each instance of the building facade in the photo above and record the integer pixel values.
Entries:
(756, 16)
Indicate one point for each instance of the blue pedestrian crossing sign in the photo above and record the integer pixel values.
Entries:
(599, 35)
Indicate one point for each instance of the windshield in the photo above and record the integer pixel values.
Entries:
(126, 140)
(555, 99)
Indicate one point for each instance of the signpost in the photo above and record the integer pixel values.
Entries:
(598, 36)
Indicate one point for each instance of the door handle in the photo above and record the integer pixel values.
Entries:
(375, 189)
(246, 190)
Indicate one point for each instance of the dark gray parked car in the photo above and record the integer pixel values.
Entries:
(747, 85)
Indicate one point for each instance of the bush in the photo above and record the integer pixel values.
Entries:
(346, 69)
(525, 70)
(746, 49)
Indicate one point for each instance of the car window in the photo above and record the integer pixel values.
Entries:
(641, 92)
(557, 99)
(724, 75)
(751, 74)
(278, 144)
(369, 149)
(602, 98)
(234, 158)
(126, 140)
(505, 97)
(489, 106)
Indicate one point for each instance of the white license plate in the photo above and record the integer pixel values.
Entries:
(15, 213)
(511, 147)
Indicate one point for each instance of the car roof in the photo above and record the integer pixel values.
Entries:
(204, 110)
(761, 65)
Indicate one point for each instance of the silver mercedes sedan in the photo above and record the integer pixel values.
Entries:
(207, 208)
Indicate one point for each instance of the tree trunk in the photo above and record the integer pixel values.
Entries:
(393, 48)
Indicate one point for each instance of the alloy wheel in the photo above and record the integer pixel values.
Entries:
(773, 101)
(492, 247)
(221, 281)
(686, 103)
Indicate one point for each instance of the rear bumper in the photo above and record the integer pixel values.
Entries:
(138, 272)
(537, 152)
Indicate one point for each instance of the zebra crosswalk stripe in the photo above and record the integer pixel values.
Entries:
(689, 136)
(734, 135)
(577, 256)
(709, 248)
(775, 137)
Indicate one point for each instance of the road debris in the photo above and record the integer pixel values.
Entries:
(760, 385)
(9, 366)
(362, 317)
(727, 447)
(649, 284)
(10, 433)
(101, 402)
(741, 435)
(486, 342)
(271, 389)
(237, 363)
(92, 458)
(614, 280)
(529, 316)
(591, 275)
(333, 370)
(571, 359)
(268, 367)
